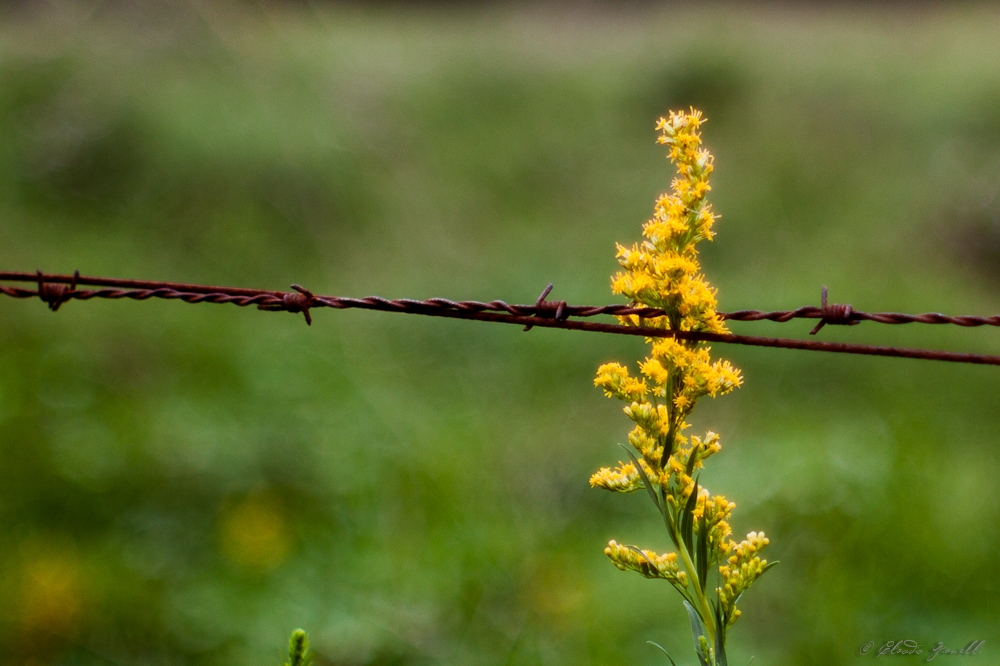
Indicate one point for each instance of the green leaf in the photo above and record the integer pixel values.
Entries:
(645, 479)
(668, 518)
(653, 643)
(720, 653)
(720, 637)
(692, 460)
(702, 556)
(698, 630)
(687, 519)
(669, 442)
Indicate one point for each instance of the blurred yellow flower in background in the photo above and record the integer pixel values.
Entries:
(254, 533)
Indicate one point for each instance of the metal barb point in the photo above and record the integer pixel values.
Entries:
(55, 294)
(836, 314)
(548, 309)
(300, 302)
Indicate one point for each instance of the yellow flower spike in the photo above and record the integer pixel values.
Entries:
(709, 446)
(702, 505)
(644, 414)
(642, 442)
(663, 271)
(745, 567)
(623, 479)
(645, 562)
(663, 479)
(653, 369)
(663, 420)
(617, 383)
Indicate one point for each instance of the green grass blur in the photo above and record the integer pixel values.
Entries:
(187, 484)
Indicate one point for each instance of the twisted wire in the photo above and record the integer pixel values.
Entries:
(55, 290)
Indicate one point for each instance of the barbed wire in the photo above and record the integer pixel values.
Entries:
(55, 290)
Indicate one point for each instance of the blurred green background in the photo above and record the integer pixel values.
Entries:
(186, 484)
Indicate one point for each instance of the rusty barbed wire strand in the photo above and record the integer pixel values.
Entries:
(55, 290)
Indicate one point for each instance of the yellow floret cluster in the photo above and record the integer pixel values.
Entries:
(741, 569)
(663, 271)
(646, 562)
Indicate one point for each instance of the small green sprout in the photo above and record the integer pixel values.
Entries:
(298, 649)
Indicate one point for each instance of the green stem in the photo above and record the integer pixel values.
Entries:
(707, 617)
(703, 608)
(672, 531)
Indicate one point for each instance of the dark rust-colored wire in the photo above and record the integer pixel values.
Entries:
(58, 289)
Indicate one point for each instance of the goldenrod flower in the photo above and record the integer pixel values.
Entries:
(617, 383)
(646, 562)
(741, 569)
(663, 272)
(623, 479)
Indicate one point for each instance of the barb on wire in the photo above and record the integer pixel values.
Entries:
(300, 302)
(834, 314)
(58, 289)
(544, 308)
(55, 294)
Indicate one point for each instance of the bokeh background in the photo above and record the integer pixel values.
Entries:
(186, 484)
